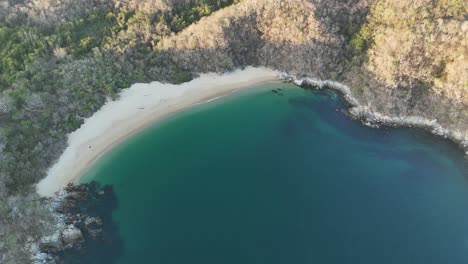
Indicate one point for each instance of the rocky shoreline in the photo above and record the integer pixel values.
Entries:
(375, 119)
(76, 222)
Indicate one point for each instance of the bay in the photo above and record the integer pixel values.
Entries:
(282, 177)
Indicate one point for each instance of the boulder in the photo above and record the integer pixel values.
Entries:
(71, 236)
(52, 243)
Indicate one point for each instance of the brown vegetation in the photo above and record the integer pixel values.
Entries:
(61, 59)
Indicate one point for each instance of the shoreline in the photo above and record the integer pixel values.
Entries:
(138, 107)
(128, 115)
(125, 117)
(375, 119)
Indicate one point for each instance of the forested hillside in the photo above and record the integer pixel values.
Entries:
(60, 60)
(59, 63)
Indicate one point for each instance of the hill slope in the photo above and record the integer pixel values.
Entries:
(61, 59)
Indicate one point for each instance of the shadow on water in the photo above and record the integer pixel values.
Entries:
(107, 247)
(329, 107)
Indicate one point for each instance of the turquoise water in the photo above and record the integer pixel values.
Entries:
(265, 178)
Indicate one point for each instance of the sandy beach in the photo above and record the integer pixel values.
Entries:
(138, 107)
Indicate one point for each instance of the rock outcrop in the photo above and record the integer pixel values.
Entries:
(74, 224)
(375, 119)
(72, 236)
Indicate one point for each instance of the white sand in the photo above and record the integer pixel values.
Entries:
(139, 106)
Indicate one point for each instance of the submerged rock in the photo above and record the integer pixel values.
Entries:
(72, 207)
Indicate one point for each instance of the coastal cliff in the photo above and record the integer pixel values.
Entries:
(62, 59)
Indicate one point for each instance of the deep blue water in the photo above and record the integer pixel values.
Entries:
(260, 177)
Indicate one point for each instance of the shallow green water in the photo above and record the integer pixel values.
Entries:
(265, 178)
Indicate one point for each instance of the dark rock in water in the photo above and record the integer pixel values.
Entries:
(78, 206)
(277, 91)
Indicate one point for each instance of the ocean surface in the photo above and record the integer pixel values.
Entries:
(281, 178)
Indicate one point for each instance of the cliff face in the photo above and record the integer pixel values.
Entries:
(400, 58)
